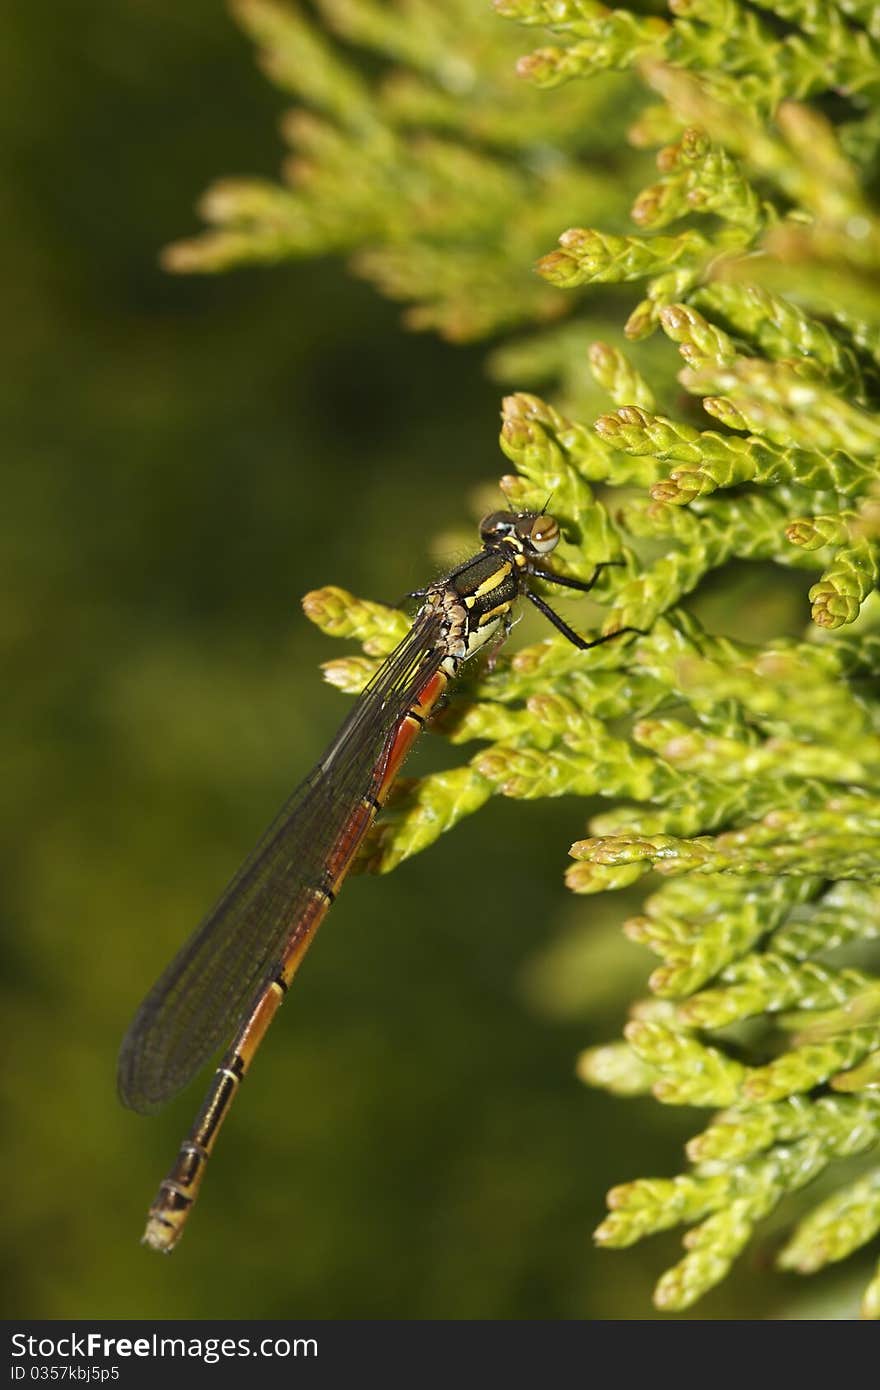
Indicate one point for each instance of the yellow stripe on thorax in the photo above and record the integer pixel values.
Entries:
(494, 580)
(494, 614)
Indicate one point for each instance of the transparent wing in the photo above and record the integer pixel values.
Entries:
(204, 994)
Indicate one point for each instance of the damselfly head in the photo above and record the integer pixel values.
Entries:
(532, 533)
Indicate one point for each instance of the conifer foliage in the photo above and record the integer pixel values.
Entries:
(451, 167)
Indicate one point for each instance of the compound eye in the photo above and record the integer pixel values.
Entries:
(544, 535)
(495, 525)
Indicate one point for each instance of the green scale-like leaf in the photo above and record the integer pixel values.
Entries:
(742, 775)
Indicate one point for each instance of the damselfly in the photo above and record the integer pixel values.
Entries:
(232, 974)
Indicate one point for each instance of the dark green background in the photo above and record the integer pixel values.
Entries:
(185, 458)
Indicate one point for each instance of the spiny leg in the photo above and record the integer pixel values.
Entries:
(459, 569)
(497, 643)
(583, 586)
(575, 638)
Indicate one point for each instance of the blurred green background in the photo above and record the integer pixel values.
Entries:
(413, 1142)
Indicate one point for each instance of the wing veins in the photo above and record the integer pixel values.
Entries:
(205, 993)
